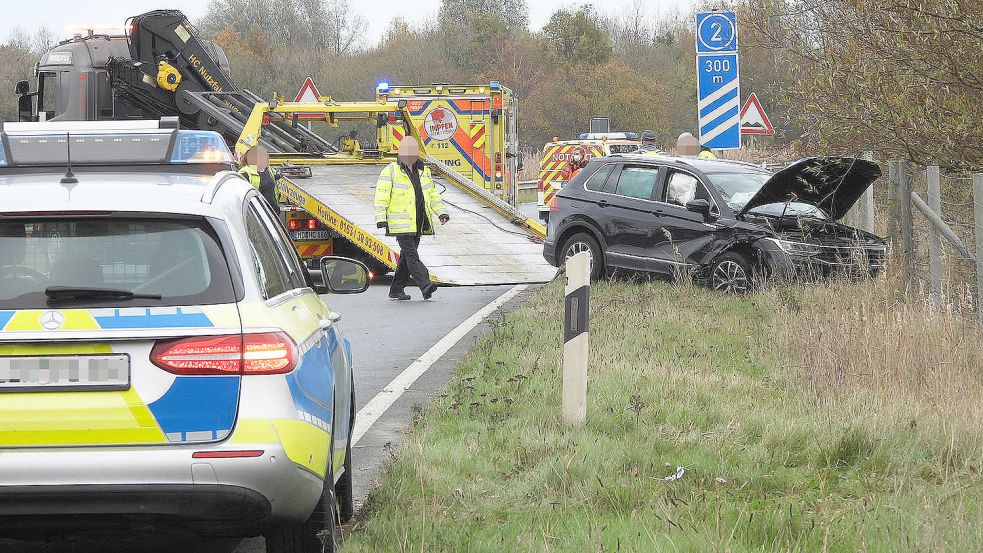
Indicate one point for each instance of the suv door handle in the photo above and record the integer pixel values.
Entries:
(603, 203)
(332, 318)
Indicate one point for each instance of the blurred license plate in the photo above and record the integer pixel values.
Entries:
(309, 235)
(64, 372)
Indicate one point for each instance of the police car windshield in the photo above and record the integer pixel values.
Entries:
(738, 189)
(162, 262)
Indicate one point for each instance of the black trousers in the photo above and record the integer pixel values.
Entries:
(410, 264)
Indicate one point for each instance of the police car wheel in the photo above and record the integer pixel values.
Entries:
(319, 533)
(343, 489)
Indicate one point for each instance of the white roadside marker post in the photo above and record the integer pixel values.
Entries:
(575, 345)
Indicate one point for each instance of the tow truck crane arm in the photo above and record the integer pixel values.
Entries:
(173, 71)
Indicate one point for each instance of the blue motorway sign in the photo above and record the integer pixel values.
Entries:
(716, 32)
(719, 101)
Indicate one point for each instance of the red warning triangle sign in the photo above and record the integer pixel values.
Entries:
(308, 93)
(753, 118)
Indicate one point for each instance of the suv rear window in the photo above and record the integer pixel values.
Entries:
(178, 259)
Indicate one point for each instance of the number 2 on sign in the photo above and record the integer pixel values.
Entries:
(717, 66)
(717, 27)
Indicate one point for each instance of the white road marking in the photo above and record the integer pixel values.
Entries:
(378, 405)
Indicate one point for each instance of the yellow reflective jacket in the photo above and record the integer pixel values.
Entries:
(706, 155)
(395, 200)
(251, 174)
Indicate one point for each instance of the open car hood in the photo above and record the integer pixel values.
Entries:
(833, 184)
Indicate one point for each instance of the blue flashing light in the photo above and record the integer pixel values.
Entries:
(383, 88)
(495, 85)
(200, 147)
(3, 155)
(631, 135)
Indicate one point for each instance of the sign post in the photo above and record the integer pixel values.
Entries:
(718, 82)
(575, 332)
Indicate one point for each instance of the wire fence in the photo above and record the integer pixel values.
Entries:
(934, 222)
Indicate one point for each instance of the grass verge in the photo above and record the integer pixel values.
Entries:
(837, 418)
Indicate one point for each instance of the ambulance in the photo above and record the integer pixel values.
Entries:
(558, 153)
(470, 128)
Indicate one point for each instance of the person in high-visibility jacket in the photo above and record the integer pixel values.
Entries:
(578, 160)
(650, 145)
(706, 153)
(256, 169)
(406, 201)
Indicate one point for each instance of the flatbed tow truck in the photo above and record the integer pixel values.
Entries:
(163, 68)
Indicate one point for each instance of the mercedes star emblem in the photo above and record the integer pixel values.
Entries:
(52, 320)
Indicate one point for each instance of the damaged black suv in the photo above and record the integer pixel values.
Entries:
(726, 223)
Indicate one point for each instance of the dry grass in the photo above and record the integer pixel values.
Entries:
(831, 418)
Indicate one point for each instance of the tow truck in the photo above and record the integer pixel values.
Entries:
(162, 67)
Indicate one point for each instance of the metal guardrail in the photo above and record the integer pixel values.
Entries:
(527, 185)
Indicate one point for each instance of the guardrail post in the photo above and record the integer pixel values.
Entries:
(906, 221)
(575, 339)
(935, 234)
(978, 217)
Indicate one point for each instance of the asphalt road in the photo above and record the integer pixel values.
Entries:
(387, 336)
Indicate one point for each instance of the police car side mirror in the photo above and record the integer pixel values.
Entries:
(341, 275)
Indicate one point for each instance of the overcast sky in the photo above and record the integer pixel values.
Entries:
(64, 17)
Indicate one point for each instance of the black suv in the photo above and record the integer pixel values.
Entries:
(726, 223)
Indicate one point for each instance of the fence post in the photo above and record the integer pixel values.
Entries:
(935, 234)
(978, 218)
(906, 221)
(867, 203)
(575, 335)
(892, 204)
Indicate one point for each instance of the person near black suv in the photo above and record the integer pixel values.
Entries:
(727, 224)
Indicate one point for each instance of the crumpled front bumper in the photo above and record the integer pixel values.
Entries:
(854, 261)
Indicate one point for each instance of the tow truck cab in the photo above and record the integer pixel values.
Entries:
(72, 82)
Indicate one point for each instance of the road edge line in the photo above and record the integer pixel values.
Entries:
(368, 415)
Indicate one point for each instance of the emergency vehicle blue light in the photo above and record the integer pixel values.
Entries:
(200, 147)
(383, 88)
(495, 85)
(3, 155)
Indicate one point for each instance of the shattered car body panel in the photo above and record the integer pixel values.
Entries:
(666, 215)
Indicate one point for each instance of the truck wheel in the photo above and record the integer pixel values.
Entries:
(317, 534)
(583, 242)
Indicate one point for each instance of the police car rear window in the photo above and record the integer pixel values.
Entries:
(179, 260)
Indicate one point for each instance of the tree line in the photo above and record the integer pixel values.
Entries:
(902, 78)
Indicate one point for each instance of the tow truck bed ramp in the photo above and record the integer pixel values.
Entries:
(479, 246)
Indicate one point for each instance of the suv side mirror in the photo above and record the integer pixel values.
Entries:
(22, 88)
(700, 206)
(341, 275)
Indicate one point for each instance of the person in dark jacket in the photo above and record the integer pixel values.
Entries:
(256, 170)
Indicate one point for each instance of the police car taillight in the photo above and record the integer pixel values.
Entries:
(248, 354)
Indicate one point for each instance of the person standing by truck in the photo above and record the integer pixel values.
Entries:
(578, 160)
(406, 199)
(256, 169)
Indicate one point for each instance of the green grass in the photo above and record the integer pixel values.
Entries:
(527, 196)
(679, 377)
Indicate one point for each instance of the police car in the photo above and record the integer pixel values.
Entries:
(165, 358)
